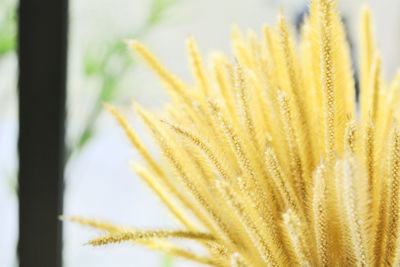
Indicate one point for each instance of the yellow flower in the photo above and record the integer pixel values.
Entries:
(268, 160)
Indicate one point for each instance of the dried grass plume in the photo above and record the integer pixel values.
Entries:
(267, 160)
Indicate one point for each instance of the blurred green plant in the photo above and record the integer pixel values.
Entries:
(109, 65)
(167, 261)
(8, 44)
(8, 27)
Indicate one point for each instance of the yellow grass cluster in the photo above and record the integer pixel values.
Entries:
(267, 159)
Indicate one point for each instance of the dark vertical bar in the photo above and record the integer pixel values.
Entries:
(42, 92)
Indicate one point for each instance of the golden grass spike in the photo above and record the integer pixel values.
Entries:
(201, 143)
(170, 79)
(344, 73)
(312, 94)
(353, 214)
(135, 140)
(327, 76)
(295, 234)
(165, 195)
(370, 158)
(295, 160)
(243, 93)
(380, 228)
(312, 39)
(222, 76)
(375, 86)
(319, 206)
(197, 66)
(156, 244)
(240, 48)
(367, 50)
(144, 235)
(343, 79)
(393, 224)
(285, 188)
(259, 241)
(350, 138)
(289, 69)
(292, 83)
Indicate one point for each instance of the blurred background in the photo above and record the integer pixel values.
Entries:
(98, 181)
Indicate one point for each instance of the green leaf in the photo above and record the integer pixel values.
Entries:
(8, 29)
(84, 138)
(167, 261)
(91, 64)
(7, 44)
